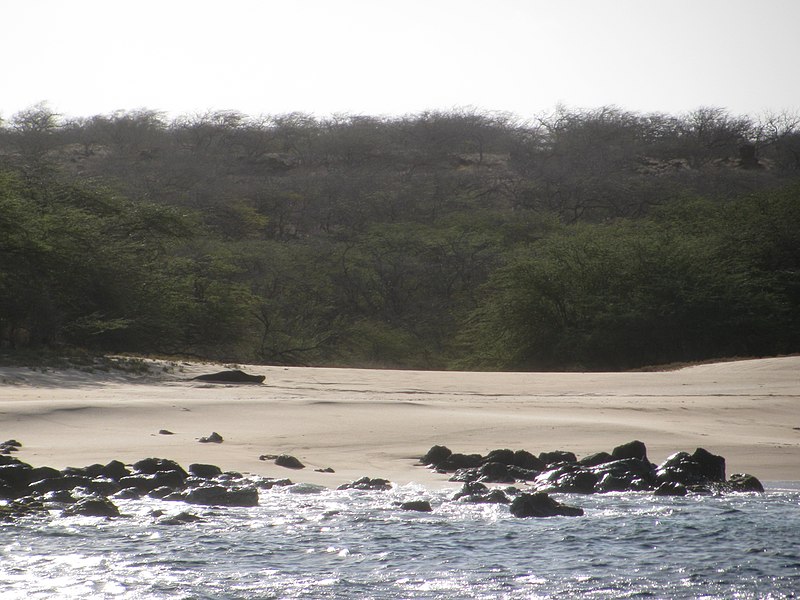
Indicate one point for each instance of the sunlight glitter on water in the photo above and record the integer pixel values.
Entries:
(340, 544)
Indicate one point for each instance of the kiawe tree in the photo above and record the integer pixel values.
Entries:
(363, 240)
(689, 284)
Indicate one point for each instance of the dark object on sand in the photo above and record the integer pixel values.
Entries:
(214, 438)
(290, 462)
(230, 377)
(165, 432)
(436, 455)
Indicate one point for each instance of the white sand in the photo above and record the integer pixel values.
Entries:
(376, 423)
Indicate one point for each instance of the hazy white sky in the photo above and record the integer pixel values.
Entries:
(393, 57)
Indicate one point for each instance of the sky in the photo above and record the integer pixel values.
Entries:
(398, 57)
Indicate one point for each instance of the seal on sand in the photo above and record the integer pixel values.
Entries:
(235, 376)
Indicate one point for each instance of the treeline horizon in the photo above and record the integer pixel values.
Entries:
(465, 239)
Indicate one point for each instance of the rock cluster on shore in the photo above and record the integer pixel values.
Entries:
(625, 469)
(92, 490)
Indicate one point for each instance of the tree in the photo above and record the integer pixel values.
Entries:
(33, 134)
(80, 266)
(626, 295)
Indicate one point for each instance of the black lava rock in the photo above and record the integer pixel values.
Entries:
(204, 471)
(59, 497)
(417, 505)
(149, 466)
(162, 492)
(489, 497)
(217, 495)
(741, 482)
(267, 483)
(598, 458)
(469, 489)
(39, 473)
(103, 486)
(289, 462)
(59, 484)
(712, 466)
(129, 493)
(436, 455)
(495, 472)
(503, 456)
(147, 483)
(457, 461)
(180, 519)
(115, 470)
(626, 475)
(557, 456)
(541, 505)
(578, 482)
(634, 449)
(93, 507)
(671, 488)
(525, 460)
(699, 469)
(365, 483)
(16, 476)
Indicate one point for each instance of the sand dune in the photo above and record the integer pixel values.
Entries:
(377, 422)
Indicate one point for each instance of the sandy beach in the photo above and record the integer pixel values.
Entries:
(377, 422)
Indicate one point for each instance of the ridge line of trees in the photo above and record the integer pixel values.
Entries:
(596, 239)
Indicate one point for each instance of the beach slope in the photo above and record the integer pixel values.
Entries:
(377, 422)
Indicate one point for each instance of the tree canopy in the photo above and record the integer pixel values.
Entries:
(599, 239)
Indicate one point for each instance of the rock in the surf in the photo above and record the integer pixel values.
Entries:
(217, 495)
(541, 505)
(93, 507)
(366, 483)
(417, 505)
(742, 482)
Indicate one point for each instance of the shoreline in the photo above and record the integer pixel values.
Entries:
(377, 423)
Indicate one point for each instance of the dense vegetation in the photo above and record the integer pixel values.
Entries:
(584, 240)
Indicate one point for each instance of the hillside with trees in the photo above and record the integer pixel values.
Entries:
(598, 239)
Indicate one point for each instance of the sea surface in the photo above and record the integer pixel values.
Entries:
(308, 542)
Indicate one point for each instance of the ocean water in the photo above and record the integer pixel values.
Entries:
(307, 542)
